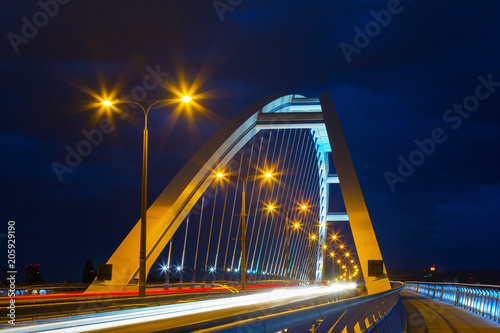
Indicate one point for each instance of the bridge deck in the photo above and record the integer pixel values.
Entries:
(430, 315)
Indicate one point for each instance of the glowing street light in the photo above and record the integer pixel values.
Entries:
(164, 268)
(243, 220)
(142, 246)
(287, 240)
(324, 264)
(186, 99)
(332, 255)
(311, 239)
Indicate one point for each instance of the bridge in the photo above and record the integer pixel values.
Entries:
(265, 229)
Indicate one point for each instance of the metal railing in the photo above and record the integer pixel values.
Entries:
(481, 299)
(382, 312)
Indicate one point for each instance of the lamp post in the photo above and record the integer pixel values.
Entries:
(142, 246)
(311, 239)
(335, 238)
(165, 269)
(323, 265)
(287, 260)
(243, 268)
(332, 255)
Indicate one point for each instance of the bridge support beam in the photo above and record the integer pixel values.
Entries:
(359, 219)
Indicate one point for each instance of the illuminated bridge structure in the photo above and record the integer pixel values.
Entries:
(193, 227)
(193, 230)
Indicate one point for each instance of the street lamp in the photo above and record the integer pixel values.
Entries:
(164, 268)
(287, 263)
(324, 263)
(332, 255)
(311, 239)
(335, 239)
(243, 218)
(142, 246)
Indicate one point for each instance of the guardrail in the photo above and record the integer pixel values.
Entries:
(481, 299)
(382, 312)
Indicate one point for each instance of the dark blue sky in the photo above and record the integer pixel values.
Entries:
(395, 87)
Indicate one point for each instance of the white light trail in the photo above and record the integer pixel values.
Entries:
(122, 318)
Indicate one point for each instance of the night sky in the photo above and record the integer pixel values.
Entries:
(401, 74)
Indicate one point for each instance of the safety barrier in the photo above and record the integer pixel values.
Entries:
(480, 299)
(382, 312)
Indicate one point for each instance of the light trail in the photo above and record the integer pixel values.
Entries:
(122, 318)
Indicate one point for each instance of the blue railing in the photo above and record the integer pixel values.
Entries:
(481, 299)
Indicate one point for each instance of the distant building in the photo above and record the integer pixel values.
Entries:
(33, 275)
(433, 275)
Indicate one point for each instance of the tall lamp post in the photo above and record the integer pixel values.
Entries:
(325, 247)
(142, 246)
(287, 225)
(311, 239)
(335, 238)
(332, 255)
(165, 269)
(243, 268)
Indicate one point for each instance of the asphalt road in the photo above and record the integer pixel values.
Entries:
(182, 315)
